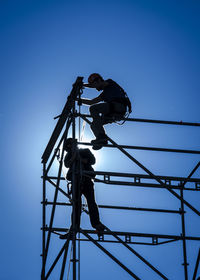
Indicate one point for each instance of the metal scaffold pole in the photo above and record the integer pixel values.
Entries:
(185, 264)
(74, 192)
(43, 222)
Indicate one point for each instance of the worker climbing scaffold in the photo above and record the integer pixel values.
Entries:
(84, 184)
(111, 105)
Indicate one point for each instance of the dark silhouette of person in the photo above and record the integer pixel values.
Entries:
(85, 159)
(112, 101)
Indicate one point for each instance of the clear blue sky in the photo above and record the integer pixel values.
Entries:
(151, 48)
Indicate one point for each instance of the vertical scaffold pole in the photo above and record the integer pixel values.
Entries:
(74, 192)
(185, 264)
(43, 221)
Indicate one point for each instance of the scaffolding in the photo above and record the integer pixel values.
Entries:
(177, 186)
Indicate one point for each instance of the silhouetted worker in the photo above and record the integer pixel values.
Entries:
(114, 103)
(85, 159)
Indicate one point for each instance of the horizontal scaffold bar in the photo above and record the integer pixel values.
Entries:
(137, 180)
(119, 207)
(144, 176)
(131, 234)
(134, 175)
(151, 121)
(147, 148)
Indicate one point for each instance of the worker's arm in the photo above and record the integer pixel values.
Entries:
(103, 83)
(91, 101)
(88, 86)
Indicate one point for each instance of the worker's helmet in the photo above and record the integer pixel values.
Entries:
(93, 77)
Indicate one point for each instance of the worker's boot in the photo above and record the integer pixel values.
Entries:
(65, 236)
(100, 141)
(100, 229)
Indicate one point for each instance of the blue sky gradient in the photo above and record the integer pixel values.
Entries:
(151, 48)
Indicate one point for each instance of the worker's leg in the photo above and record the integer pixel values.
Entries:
(97, 112)
(118, 108)
(77, 214)
(78, 206)
(88, 192)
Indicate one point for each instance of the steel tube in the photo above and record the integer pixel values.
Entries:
(43, 224)
(151, 121)
(196, 266)
(74, 192)
(185, 264)
(147, 148)
(121, 207)
(134, 234)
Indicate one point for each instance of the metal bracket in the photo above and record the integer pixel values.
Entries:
(74, 260)
(181, 183)
(186, 264)
(136, 179)
(127, 238)
(106, 178)
(101, 237)
(168, 182)
(155, 240)
(197, 186)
